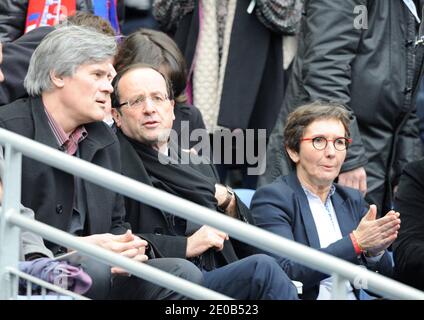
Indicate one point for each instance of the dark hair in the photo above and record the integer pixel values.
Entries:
(157, 49)
(303, 116)
(115, 83)
(87, 19)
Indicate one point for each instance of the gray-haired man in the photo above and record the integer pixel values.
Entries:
(69, 81)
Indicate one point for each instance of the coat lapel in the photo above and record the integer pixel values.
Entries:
(98, 138)
(133, 167)
(344, 217)
(308, 219)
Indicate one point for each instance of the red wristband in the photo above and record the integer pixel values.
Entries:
(356, 246)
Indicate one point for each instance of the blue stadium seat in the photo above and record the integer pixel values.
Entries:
(245, 195)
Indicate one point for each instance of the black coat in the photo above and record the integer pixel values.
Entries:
(186, 112)
(153, 224)
(253, 87)
(16, 57)
(408, 249)
(375, 71)
(48, 191)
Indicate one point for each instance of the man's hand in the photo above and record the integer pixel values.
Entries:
(125, 244)
(376, 235)
(203, 239)
(356, 178)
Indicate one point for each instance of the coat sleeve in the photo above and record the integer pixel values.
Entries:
(274, 211)
(408, 249)
(12, 19)
(165, 246)
(409, 146)
(16, 58)
(328, 49)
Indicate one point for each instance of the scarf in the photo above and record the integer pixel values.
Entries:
(185, 181)
(48, 13)
(209, 64)
(182, 180)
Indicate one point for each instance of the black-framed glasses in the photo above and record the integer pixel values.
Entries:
(158, 99)
(320, 143)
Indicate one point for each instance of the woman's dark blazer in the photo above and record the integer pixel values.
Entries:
(282, 208)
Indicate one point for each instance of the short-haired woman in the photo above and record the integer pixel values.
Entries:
(308, 207)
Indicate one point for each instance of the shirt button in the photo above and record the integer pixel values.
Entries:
(409, 43)
(59, 209)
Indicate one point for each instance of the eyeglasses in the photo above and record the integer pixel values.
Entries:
(157, 99)
(320, 143)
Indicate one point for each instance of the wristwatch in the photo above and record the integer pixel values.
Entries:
(228, 198)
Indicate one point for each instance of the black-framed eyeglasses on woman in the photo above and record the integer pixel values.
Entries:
(320, 143)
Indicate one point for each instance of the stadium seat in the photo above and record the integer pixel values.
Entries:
(245, 195)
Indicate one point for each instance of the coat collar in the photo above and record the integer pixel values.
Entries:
(132, 166)
(99, 137)
(344, 217)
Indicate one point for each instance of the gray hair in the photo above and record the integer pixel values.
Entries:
(62, 51)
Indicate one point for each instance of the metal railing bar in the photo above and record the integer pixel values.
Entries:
(142, 270)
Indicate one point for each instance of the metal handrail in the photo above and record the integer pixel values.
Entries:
(139, 269)
(190, 211)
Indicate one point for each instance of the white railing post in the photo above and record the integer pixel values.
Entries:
(9, 233)
(339, 289)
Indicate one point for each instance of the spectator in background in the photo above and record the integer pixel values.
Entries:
(69, 82)
(308, 207)
(1, 60)
(349, 52)
(420, 109)
(138, 14)
(157, 49)
(235, 57)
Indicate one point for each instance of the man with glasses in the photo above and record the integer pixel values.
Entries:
(143, 112)
(308, 207)
(69, 83)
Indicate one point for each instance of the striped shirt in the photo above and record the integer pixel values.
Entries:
(68, 144)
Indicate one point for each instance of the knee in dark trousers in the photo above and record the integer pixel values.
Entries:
(137, 288)
(101, 279)
(269, 281)
(257, 277)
